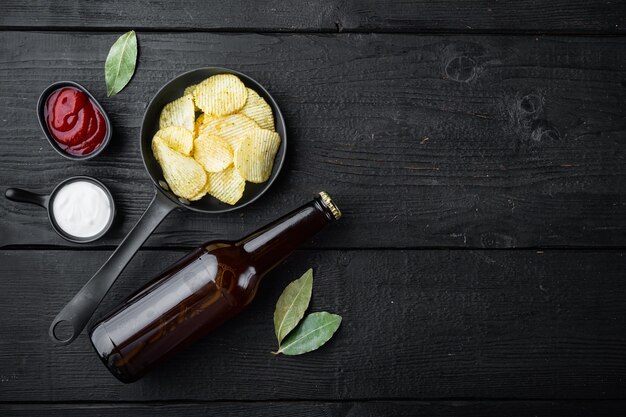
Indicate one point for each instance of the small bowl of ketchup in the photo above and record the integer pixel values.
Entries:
(73, 121)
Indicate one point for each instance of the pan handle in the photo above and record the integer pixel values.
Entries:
(70, 321)
(23, 196)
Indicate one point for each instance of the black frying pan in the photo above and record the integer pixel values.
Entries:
(72, 319)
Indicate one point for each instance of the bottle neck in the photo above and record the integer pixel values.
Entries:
(270, 245)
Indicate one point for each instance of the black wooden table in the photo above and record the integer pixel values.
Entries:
(478, 152)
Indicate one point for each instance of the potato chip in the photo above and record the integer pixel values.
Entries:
(177, 138)
(220, 95)
(258, 110)
(196, 127)
(255, 157)
(205, 124)
(226, 185)
(185, 177)
(180, 112)
(156, 141)
(201, 193)
(212, 152)
(189, 90)
(232, 128)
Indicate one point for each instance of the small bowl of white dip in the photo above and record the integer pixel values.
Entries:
(81, 209)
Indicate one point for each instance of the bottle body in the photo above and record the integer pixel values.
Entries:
(186, 301)
(196, 294)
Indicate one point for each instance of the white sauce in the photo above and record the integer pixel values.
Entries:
(81, 209)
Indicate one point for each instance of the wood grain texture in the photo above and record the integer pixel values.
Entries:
(328, 409)
(542, 16)
(424, 141)
(422, 324)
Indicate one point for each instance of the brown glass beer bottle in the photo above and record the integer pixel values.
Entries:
(199, 292)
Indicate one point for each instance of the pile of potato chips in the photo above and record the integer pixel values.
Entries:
(231, 141)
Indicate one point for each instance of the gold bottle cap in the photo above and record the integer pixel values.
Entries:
(328, 202)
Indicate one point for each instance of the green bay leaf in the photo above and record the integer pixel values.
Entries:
(292, 304)
(120, 64)
(315, 330)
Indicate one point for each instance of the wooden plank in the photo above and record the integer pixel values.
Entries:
(543, 16)
(328, 409)
(436, 141)
(422, 324)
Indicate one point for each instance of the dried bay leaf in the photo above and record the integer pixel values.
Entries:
(292, 304)
(120, 63)
(315, 330)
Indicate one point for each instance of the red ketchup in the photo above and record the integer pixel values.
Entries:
(74, 121)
